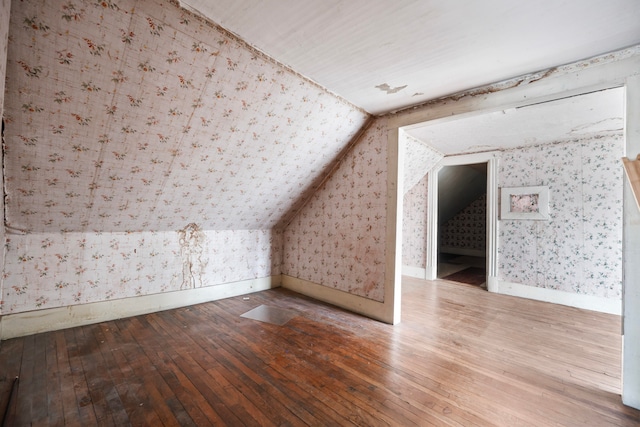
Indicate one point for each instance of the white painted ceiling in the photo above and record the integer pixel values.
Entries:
(577, 117)
(385, 55)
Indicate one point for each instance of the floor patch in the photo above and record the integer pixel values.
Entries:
(273, 315)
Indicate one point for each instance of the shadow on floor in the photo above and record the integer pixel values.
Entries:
(462, 269)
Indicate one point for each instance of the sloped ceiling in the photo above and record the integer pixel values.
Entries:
(131, 115)
(386, 55)
(459, 186)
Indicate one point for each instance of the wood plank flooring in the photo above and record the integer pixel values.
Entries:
(460, 357)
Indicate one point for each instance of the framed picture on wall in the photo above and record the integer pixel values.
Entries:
(524, 203)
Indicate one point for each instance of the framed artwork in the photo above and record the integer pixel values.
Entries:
(524, 203)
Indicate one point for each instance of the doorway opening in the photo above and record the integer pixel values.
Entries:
(564, 131)
(462, 224)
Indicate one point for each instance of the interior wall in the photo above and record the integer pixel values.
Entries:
(458, 186)
(131, 124)
(631, 254)
(414, 225)
(579, 249)
(337, 240)
(61, 269)
(420, 158)
(249, 97)
(608, 71)
(5, 8)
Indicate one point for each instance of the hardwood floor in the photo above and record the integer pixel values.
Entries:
(461, 357)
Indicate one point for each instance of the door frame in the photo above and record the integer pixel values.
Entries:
(491, 158)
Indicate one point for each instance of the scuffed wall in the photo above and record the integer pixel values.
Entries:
(338, 238)
(467, 230)
(414, 225)
(579, 249)
(5, 7)
(49, 270)
(419, 159)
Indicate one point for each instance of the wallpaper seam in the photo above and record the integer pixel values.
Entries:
(103, 147)
(336, 165)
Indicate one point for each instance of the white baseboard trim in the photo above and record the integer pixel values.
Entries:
(417, 272)
(493, 284)
(587, 302)
(431, 272)
(52, 319)
(357, 304)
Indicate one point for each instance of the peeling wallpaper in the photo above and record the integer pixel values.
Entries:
(414, 225)
(108, 98)
(50, 270)
(338, 238)
(5, 7)
(579, 249)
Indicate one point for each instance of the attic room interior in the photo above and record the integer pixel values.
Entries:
(236, 212)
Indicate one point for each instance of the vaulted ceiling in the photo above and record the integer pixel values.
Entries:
(386, 55)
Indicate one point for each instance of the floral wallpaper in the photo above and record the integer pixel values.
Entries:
(58, 269)
(5, 7)
(135, 115)
(579, 249)
(414, 225)
(419, 160)
(467, 230)
(338, 238)
(148, 150)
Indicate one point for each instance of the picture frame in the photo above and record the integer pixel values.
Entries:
(525, 203)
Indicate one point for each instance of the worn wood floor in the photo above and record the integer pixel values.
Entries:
(461, 357)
